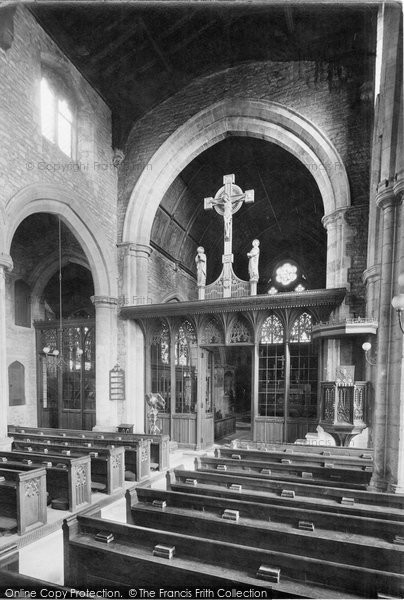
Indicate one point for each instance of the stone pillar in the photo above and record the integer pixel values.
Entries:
(135, 273)
(135, 392)
(105, 360)
(387, 203)
(6, 264)
(395, 412)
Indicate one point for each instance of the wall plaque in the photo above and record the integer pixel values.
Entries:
(117, 383)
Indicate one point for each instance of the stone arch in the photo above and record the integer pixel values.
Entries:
(267, 120)
(43, 273)
(71, 209)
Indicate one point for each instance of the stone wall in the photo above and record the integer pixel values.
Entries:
(28, 159)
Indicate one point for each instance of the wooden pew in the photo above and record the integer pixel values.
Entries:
(67, 477)
(308, 458)
(159, 444)
(361, 502)
(137, 453)
(22, 499)
(271, 527)
(317, 474)
(201, 562)
(306, 448)
(107, 464)
(324, 516)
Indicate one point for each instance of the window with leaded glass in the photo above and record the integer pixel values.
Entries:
(303, 369)
(271, 375)
(56, 113)
(160, 364)
(186, 351)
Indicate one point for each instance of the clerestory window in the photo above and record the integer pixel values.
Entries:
(56, 116)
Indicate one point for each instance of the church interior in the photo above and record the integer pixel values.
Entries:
(201, 299)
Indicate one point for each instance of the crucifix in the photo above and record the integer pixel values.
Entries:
(227, 201)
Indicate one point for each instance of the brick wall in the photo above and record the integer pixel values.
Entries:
(296, 85)
(27, 158)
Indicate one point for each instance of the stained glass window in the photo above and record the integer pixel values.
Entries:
(286, 273)
(272, 331)
(160, 363)
(301, 329)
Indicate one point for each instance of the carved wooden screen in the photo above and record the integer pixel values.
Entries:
(303, 369)
(160, 363)
(186, 352)
(271, 376)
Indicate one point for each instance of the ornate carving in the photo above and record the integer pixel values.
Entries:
(359, 395)
(116, 461)
(81, 475)
(329, 399)
(344, 404)
(144, 455)
(212, 333)
(239, 333)
(31, 487)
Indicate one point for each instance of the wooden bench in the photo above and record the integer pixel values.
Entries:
(67, 478)
(323, 516)
(107, 464)
(137, 453)
(201, 562)
(271, 527)
(307, 448)
(265, 489)
(159, 444)
(22, 499)
(317, 474)
(308, 458)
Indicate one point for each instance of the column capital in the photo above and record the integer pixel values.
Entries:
(332, 218)
(385, 197)
(6, 262)
(135, 249)
(398, 187)
(107, 301)
(371, 274)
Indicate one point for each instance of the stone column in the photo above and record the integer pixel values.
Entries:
(395, 412)
(387, 202)
(6, 264)
(135, 273)
(105, 360)
(338, 262)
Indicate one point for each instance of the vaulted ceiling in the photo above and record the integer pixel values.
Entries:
(137, 54)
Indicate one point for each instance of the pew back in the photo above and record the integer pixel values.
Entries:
(23, 498)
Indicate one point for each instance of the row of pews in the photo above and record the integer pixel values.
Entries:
(63, 467)
(267, 519)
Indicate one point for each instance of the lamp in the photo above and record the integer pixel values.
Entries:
(366, 347)
(398, 302)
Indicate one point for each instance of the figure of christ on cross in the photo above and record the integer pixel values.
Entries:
(226, 203)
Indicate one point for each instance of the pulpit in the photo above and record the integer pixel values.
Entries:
(342, 409)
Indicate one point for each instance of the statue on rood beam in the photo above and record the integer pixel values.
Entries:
(253, 256)
(200, 260)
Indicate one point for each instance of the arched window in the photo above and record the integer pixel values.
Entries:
(56, 114)
(272, 331)
(287, 277)
(301, 329)
(22, 303)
